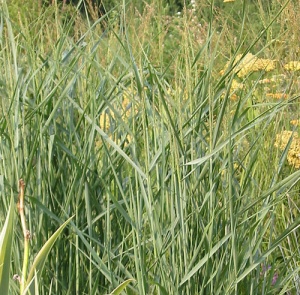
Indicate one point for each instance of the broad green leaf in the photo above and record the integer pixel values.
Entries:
(121, 287)
(40, 259)
(6, 238)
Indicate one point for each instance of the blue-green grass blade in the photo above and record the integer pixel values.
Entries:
(198, 266)
(6, 238)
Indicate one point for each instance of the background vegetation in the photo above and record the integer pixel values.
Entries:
(161, 127)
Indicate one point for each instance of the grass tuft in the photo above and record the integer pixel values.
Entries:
(160, 133)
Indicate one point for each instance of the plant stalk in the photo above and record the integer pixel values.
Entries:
(26, 234)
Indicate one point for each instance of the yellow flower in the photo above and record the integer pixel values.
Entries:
(235, 85)
(293, 155)
(277, 95)
(246, 64)
(234, 97)
(225, 1)
(283, 138)
(265, 81)
(295, 122)
(265, 64)
(250, 63)
(292, 66)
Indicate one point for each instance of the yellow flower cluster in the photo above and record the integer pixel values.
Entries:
(274, 79)
(293, 156)
(292, 66)
(250, 63)
(235, 85)
(277, 95)
(295, 122)
(265, 81)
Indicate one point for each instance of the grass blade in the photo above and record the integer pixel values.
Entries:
(121, 287)
(6, 238)
(40, 259)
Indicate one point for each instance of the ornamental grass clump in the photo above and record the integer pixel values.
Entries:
(189, 205)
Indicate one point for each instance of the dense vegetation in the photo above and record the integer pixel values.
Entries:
(166, 130)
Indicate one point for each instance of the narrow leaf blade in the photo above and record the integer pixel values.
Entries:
(40, 259)
(6, 238)
(121, 287)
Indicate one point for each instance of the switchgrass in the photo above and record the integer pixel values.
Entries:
(127, 124)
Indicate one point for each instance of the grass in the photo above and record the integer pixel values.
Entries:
(132, 125)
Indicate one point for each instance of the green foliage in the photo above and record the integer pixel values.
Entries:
(24, 9)
(127, 123)
(6, 238)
